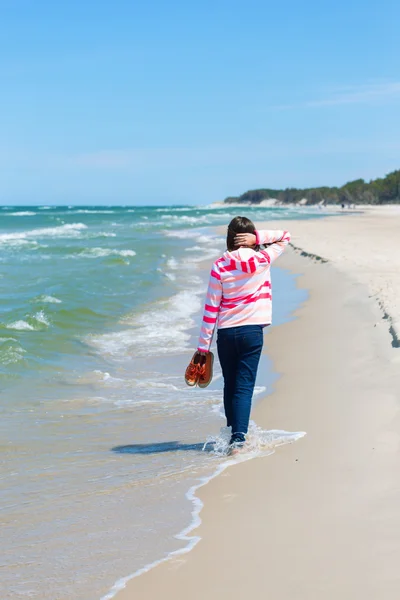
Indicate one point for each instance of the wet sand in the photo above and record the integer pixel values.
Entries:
(319, 518)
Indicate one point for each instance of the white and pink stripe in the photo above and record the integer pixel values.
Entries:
(239, 289)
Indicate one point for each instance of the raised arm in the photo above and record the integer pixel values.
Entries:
(211, 310)
(277, 240)
(269, 236)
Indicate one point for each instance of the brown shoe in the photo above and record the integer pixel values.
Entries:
(206, 370)
(192, 371)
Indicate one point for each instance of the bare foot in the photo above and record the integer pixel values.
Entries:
(235, 449)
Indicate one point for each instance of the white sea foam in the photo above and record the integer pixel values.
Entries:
(175, 209)
(93, 212)
(10, 353)
(161, 329)
(97, 377)
(67, 230)
(20, 326)
(49, 299)
(17, 243)
(183, 234)
(186, 220)
(204, 254)
(263, 443)
(40, 317)
(33, 323)
(148, 224)
(172, 263)
(207, 239)
(26, 213)
(170, 276)
(105, 252)
(102, 234)
(143, 385)
(259, 389)
(193, 280)
(198, 236)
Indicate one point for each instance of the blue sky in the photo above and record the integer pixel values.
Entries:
(189, 102)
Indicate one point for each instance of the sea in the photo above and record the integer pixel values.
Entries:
(102, 445)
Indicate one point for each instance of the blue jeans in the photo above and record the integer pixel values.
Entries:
(239, 350)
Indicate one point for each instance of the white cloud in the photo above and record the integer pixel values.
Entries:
(371, 93)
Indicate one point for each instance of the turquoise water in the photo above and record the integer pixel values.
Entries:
(70, 272)
(99, 311)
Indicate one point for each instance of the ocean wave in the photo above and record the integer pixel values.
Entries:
(164, 326)
(193, 234)
(48, 299)
(176, 209)
(92, 212)
(186, 220)
(153, 382)
(26, 213)
(41, 318)
(170, 276)
(101, 234)
(10, 351)
(172, 263)
(20, 326)
(95, 377)
(208, 239)
(204, 254)
(182, 234)
(148, 224)
(259, 442)
(67, 230)
(36, 322)
(105, 252)
(208, 247)
(162, 329)
(20, 242)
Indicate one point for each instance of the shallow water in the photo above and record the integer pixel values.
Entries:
(100, 438)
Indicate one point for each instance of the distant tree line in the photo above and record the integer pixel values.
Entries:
(384, 190)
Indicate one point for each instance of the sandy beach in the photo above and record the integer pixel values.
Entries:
(319, 519)
(364, 246)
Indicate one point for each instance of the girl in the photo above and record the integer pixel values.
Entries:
(239, 302)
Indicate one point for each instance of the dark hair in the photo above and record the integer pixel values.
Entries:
(238, 225)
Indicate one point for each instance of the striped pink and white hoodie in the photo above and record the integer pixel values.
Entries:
(239, 290)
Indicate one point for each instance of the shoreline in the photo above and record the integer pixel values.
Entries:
(185, 535)
(363, 246)
(225, 494)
